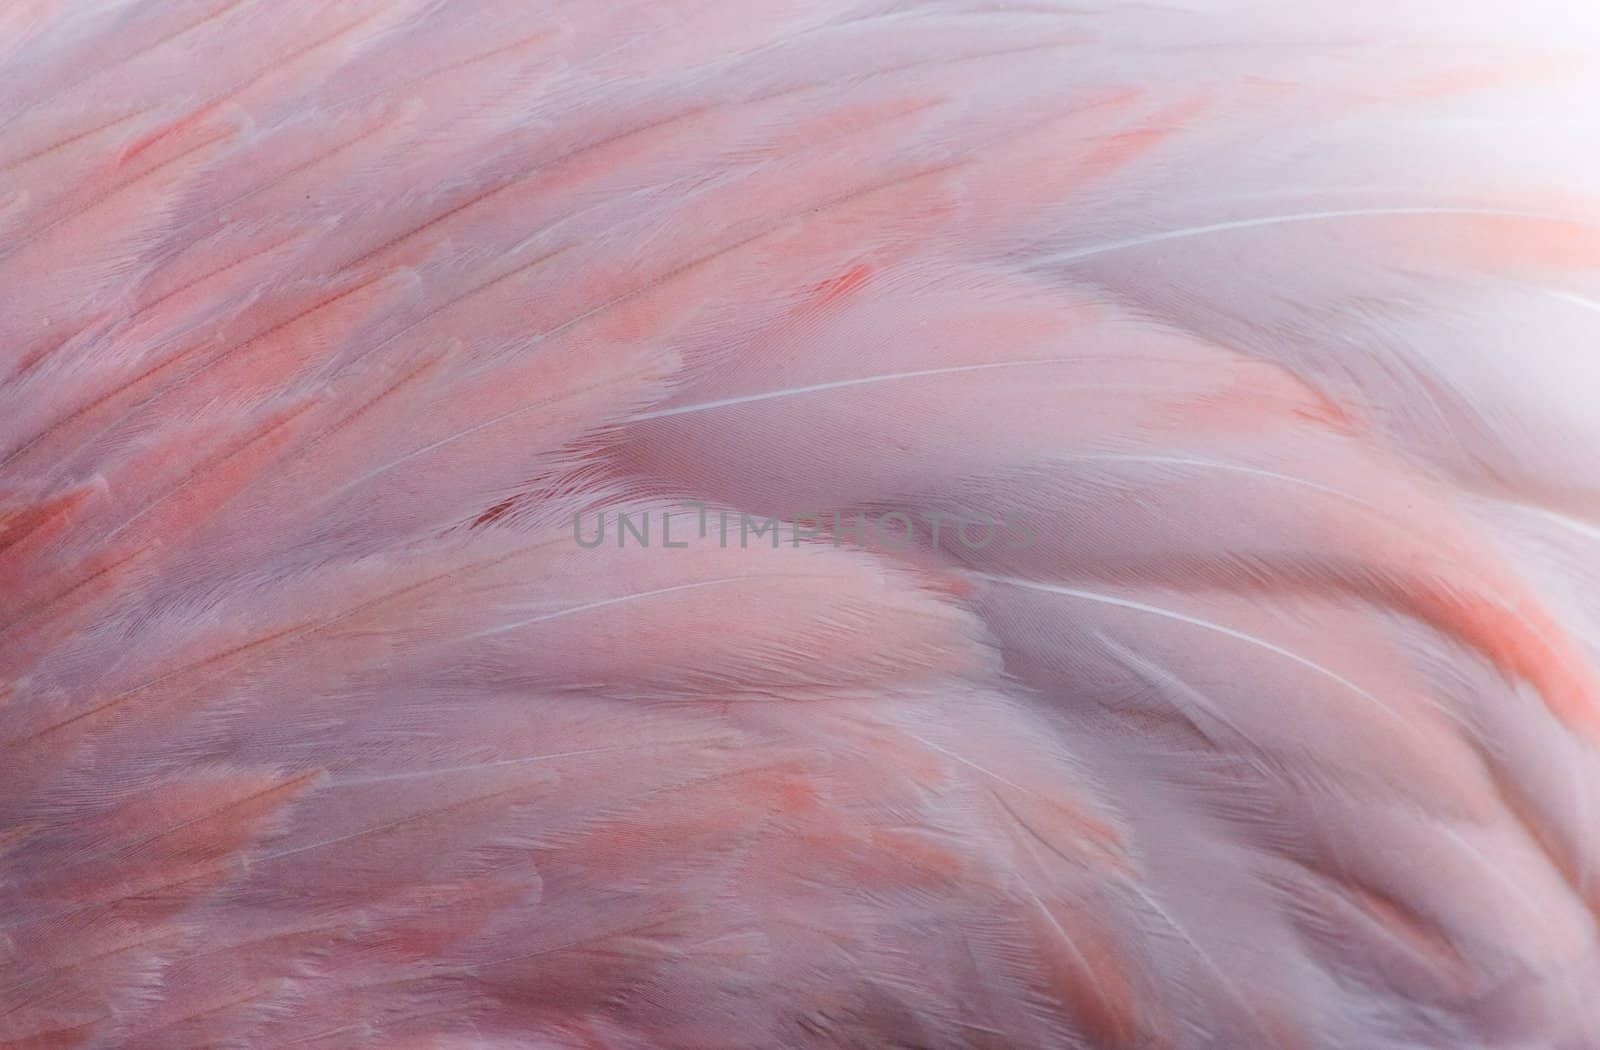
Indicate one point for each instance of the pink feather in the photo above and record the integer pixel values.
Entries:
(481, 490)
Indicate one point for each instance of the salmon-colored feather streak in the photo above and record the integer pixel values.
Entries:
(799, 523)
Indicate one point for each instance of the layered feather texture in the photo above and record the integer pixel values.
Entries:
(1178, 630)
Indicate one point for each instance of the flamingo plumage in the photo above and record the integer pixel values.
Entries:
(846, 523)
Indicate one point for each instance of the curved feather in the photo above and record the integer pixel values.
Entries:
(1157, 609)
